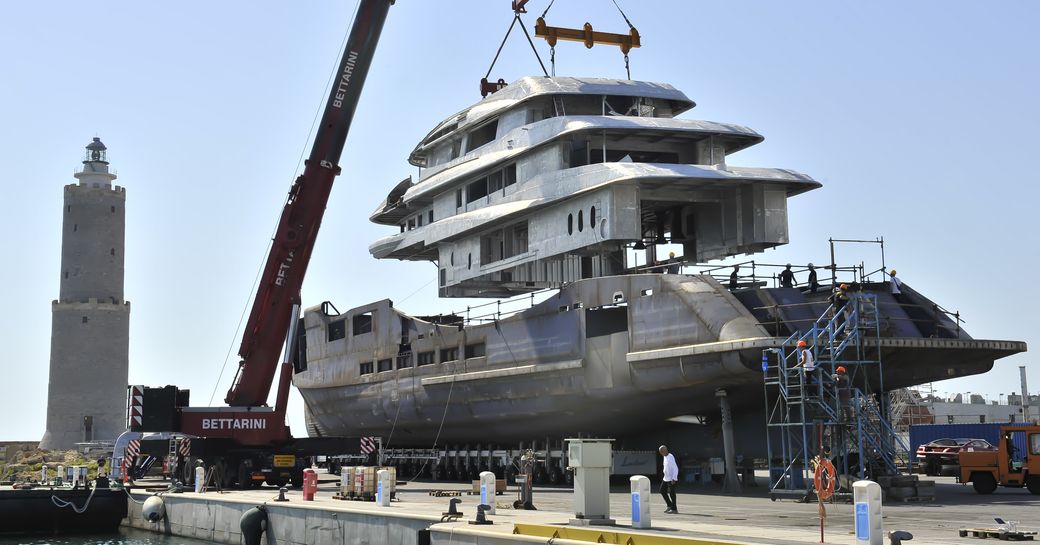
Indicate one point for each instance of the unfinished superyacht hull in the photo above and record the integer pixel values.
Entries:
(611, 356)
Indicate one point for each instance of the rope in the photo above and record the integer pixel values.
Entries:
(60, 503)
(437, 438)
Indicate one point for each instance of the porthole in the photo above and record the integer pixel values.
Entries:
(592, 217)
(581, 221)
(570, 224)
(469, 263)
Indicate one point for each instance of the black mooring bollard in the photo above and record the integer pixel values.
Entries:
(897, 537)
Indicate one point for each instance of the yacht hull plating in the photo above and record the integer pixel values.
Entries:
(610, 356)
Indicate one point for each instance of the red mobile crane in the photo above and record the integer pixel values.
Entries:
(247, 440)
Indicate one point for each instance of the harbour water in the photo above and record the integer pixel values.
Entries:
(125, 536)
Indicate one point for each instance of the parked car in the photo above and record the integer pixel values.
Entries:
(941, 456)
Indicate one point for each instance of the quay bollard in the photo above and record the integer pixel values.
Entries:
(867, 508)
(310, 484)
(383, 487)
(640, 486)
(488, 491)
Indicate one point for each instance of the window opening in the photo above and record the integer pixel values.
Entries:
(509, 174)
(337, 330)
(430, 218)
(475, 350)
(477, 190)
(386, 365)
(581, 222)
(592, 217)
(425, 358)
(482, 135)
(362, 323)
(366, 368)
(449, 354)
(404, 360)
(570, 224)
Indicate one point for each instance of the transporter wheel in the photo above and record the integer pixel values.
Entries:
(187, 472)
(1033, 484)
(983, 483)
(555, 476)
(932, 466)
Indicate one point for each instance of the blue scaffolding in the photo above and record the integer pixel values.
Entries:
(813, 415)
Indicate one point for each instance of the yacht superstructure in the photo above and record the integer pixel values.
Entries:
(548, 180)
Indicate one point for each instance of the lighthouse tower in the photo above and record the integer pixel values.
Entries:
(90, 327)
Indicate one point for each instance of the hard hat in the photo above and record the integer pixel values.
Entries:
(843, 286)
(892, 272)
(788, 265)
(811, 266)
(801, 344)
(840, 369)
(671, 254)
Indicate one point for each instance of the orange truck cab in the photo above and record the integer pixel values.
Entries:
(1015, 463)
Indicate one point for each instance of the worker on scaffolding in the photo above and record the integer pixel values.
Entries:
(814, 284)
(787, 278)
(844, 387)
(806, 362)
(840, 303)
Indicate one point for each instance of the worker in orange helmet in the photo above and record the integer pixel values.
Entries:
(844, 388)
(806, 361)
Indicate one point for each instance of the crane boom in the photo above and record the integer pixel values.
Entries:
(297, 231)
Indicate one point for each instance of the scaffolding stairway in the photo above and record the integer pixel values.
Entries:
(812, 416)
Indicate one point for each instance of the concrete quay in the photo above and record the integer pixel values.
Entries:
(706, 517)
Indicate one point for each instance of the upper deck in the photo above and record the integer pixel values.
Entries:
(558, 96)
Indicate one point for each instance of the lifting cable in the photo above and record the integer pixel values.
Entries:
(628, 72)
(516, 18)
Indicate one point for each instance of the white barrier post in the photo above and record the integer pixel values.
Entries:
(383, 487)
(488, 491)
(640, 486)
(867, 501)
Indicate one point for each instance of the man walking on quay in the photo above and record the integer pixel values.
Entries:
(670, 479)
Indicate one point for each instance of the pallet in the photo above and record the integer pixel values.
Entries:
(985, 533)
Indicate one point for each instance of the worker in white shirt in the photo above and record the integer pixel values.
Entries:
(806, 362)
(670, 479)
(896, 285)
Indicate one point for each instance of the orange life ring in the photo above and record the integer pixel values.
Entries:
(825, 491)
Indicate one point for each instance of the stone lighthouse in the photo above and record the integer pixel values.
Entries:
(90, 324)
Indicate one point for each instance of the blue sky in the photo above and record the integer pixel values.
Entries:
(919, 118)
